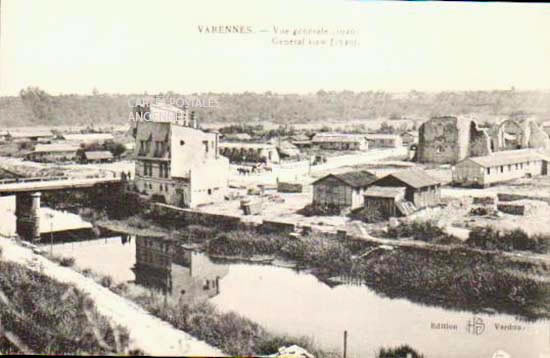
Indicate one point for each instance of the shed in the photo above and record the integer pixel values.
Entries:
(385, 200)
(98, 156)
(421, 189)
(342, 190)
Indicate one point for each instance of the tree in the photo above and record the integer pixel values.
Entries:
(40, 102)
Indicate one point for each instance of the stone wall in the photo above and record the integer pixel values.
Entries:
(480, 143)
(450, 140)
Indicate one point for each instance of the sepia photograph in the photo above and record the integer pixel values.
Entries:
(285, 179)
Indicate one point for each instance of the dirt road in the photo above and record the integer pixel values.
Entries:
(148, 333)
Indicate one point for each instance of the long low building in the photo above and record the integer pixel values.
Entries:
(52, 152)
(340, 141)
(383, 140)
(249, 152)
(499, 167)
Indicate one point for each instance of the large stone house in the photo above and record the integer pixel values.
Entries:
(342, 190)
(179, 163)
(499, 167)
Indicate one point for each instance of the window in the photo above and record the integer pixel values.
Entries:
(205, 143)
(502, 168)
(439, 149)
(182, 142)
(147, 169)
(488, 171)
(209, 191)
(509, 167)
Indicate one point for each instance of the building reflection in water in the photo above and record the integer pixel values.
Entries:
(163, 264)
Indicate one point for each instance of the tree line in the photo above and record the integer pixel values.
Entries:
(34, 106)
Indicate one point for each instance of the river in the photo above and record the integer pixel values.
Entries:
(297, 303)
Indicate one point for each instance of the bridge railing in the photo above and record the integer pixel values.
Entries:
(54, 178)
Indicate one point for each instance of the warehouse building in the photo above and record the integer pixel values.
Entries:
(499, 167)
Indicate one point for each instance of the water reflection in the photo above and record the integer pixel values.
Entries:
(297, 303)
(165, 265)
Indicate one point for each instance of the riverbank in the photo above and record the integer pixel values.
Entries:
(146, 333)
(40, 315)
(455, 277)
(228, 331)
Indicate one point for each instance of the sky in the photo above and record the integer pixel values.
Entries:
(67, 46)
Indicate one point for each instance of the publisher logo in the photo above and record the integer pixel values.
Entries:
(476, 326)
(501, 354)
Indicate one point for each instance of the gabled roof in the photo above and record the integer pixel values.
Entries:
(246, 145)
(88, 137)
(98, 155)
(58, 147)
(338, 137)
(384, 191)
(31, 133)
(355, 179)
(416, 178)
(505, 157)
(381, 136)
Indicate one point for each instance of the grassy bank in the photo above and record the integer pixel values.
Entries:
(457, 278)
(230, 332)
(42, 316)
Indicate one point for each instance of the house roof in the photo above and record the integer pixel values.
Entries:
(88, 137)
(382, 136)
(45, 148)
(98, 155)
(238, 136)
(355, 179)
(384, 191)
(31, 134)
(416, 178)
(338, 137)
(153, 131)
(246, 145)
(505, 158)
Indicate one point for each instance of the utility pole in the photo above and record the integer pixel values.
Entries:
(345, 343)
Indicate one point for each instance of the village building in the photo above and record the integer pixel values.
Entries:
(178, 163)
(35, 135)
(97, 156)
(339, 141)
(300, 141)
(286, 149)
(250, 152)
(237, 137)
(342, 190)
(383, 140)
(499, 167)
(53, 153)
(409, 190)
(88, 138)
